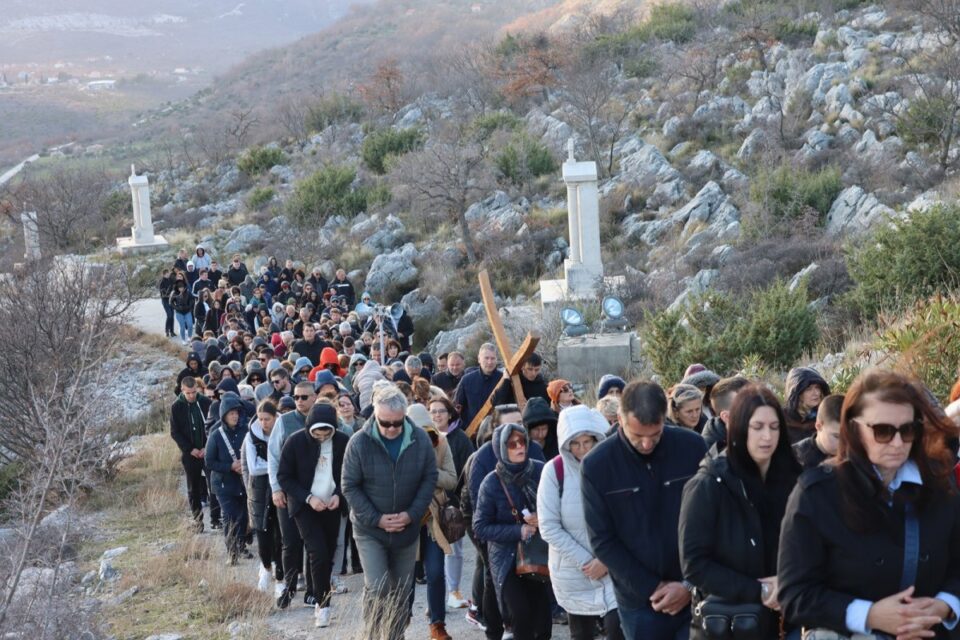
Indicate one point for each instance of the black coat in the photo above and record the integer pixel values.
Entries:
(180, 423)
(447, 381)
(715, 433)
(298, 462)
(726, 542)
(531, 388)
(824, 565)
(808, 454)
(632, 508)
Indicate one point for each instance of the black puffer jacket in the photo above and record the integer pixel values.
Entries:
(824, 565)
(715, 433)
(808, 454)
(799, 379)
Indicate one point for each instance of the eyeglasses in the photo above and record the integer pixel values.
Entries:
(516, 444)
(263, 358)
(390, 425)
(298, 398)
(884, 433)
(566, 389)
(438, 412)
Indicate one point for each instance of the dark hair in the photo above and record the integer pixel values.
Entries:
(348, 342)
(189, 382)
(722, 393)
(857, 480)
(829, 410)
(534, 360)
(267, 406)
(501, 409)
(745, 404)
(442, 356)
(451, 410)
(645, 400)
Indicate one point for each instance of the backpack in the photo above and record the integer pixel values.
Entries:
(558, 470)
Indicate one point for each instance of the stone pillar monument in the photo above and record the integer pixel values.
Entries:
(583, 269)
(31, 236)
(142, 236)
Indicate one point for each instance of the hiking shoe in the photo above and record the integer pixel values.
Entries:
(278, 588)
(338, 586)
(560, 617)
(309, 600)
(474, 618)
(266, 577)
(285, 597)
(438, 631)
(321, 616)
(216, 526)
(456, 601)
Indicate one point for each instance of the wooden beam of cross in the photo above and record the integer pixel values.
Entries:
(512, 361)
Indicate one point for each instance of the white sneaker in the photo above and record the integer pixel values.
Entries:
(321, 616)
(266, 577)
(338, 586)
(278, 588)
(456, 601)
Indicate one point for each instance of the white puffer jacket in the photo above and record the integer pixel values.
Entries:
(562, 523)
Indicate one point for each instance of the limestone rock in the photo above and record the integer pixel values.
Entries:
(800, 275)
(243, 237)
(231, 181)
(377, 233)
(421, 307)
(855, 211)
(710, 210)
(671, 128)
(552, 131)
(497, 213)
(165, 636)
(113, 553)
(704, 163)
(282, 173)
(925, 201)
(390, 270)
(107, 572)
(694, 286)
(755, 143)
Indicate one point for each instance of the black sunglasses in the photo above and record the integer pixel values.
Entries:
(884, 433)
(390, 425)
(302, 397)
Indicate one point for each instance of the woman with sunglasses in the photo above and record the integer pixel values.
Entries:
(505, 514)
(871, 540)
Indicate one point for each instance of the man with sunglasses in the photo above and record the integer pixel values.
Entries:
(280, 380)
(291, 422)
(389, 475)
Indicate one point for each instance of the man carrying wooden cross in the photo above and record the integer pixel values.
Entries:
(477, 385)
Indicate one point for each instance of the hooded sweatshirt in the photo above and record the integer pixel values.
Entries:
(364, 380)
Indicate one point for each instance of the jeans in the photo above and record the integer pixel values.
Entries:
(185, 322)
(530, 608)
(453, 566)
(168, 323)
(193, 468)
(583, 627)
(339, 556)
(387, 583)
(646, 624)
(433, 563)
(234, 509)
(292, 552)
(319, 532)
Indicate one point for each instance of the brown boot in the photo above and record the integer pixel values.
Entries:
(439, 632)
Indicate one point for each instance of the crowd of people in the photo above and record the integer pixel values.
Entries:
(708, 509)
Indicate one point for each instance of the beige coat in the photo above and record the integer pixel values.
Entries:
(446, 481)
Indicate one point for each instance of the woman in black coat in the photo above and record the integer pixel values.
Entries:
(309, 473)
(845, 563)
(731, 510)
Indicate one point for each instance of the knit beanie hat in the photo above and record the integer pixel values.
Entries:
(254, 365)
(324, 377)
(537, 411)
(608, 382)
(694, 368)
(555, 387)
(321, 413)
(287, 402)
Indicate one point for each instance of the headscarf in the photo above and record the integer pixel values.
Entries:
(519, 474)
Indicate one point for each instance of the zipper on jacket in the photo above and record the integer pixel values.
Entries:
(667, 483)
(619, 491)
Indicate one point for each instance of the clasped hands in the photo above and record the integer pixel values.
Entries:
(394, 522)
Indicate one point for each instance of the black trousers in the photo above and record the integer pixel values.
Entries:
(530, 608)
(583, 627)
(270, 545)
(292, 552)
(319, 530)
(193, 468)
(214, 502)
(168, 323)
(492, 615)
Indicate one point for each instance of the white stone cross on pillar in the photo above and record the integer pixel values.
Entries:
(31, 236)
(584, 267)
(142, 220)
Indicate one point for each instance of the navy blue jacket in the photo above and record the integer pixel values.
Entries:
(632, 509)
(485, 461)
(474, 389)
(494, 524)
(218, 460)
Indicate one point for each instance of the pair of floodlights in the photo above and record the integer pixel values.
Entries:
(612, 308)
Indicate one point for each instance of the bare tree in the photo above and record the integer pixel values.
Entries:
(600, 106)
(292, 114)
(69, 203)
(450, 173)
(469, 76)
(699, 65)
(945, 14)
(239, 126)
(60, 337)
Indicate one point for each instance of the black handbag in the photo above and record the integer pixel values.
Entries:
(452, 523)
(532, 553)
(723, 620)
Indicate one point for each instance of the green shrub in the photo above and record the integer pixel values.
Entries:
(795, 32)
(790, 192)
(774, 327)
(524, 159)
(485, 126)
(330, 191)
(380, 145)
(914, 258)
(925, 342)
(256, 160)
(640, 68)
(259, 197)
(330, 110)
(926, 120)
(675, 22)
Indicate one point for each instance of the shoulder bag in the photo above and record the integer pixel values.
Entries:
(724, 620)
(532, 553)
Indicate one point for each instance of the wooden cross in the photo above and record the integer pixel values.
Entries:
(512, 361)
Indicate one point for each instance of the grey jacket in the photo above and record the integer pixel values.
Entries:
(374, 485)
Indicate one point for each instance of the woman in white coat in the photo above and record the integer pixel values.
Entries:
(580, 581)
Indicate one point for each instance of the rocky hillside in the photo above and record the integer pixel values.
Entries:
(740, 146)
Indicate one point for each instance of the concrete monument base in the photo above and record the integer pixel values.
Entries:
(558, 291)
(585, 359)
(130, 245)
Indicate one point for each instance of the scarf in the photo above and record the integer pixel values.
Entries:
(519, 474)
